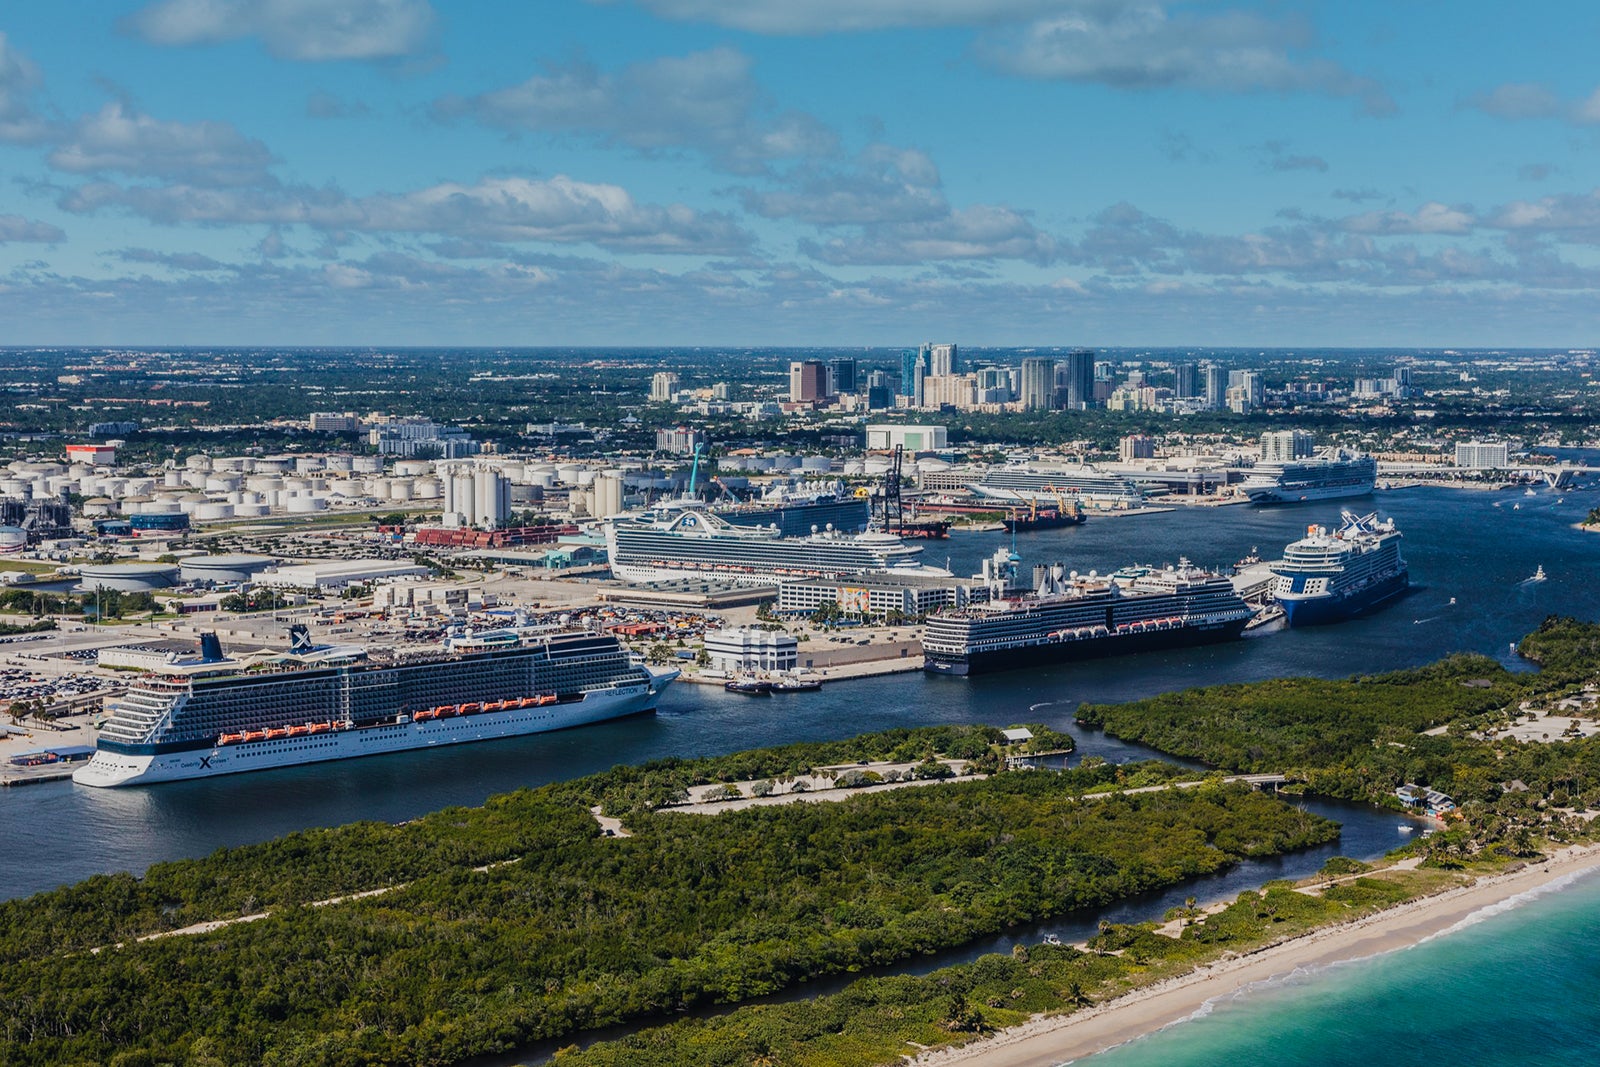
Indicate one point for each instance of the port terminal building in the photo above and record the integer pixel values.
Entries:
(752, 650)
(862, 595)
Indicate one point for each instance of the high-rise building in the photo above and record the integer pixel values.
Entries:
(1080, 378)
(842, 373)
(1286, 446)
(680, 440)
(1038, 392)
(1216, 386)
(1136, 446)
(1489, 454)
(908, 371)
(1188, 381)
(1250, 385)
(662, 385)
(943, 360)
(880, 390)
(808, 381)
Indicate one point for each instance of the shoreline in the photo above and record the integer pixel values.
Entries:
(1052, 1040)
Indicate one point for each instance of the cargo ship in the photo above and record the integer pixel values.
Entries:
(673, 544)
(1067, 616)
(1334, 476)
(211, 715)
(1327, 577)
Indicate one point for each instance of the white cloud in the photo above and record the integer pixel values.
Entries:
(979, 232)
(1572, 215)
(117, 139)
(1518, 100)
(1142, 46)
(19, 82)
(883, 184)
(1532, 100)
(312, 30)
(838, 16)
(1432, 217)
(706, 101)
(15, 228)
(558, 210)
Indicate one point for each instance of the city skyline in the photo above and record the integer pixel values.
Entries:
(679, 172)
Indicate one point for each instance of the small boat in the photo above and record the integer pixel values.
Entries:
(1052, 939)
(1537, 576)
(1529, 492)
(1406, 828)
(750, 687)
(1497, 503)
(1452, 600)
(1516, 507)
(797, 685)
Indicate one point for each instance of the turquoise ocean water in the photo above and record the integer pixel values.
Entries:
(1511, 987)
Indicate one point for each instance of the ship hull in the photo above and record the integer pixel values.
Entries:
(1053, 652)
(1318, 611)
(1273, 494)
(109, 769)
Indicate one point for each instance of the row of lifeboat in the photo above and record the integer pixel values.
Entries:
(1078, 633)
(445, 711)
(440, 712)
(1147, 625)
(277, 732)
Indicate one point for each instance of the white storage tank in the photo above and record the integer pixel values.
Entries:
(306, 505)
(212, 511)
(222, 483)
(366, 464)
(410, 468)
(340, 462)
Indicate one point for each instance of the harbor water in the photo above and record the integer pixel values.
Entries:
(1459, 544)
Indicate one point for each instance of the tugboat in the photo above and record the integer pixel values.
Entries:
(796, 685)
(750, 687)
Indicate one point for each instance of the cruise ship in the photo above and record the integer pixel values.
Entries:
(1327, 577)
(1334, 476)
(673, 544)
(210, 715)
(1066, 616)
(1086, 486)
(796, 515)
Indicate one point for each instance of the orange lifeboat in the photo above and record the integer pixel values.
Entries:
(254, 735)
(467, 709)
(544, 698)
(320, 727)
(228, 739)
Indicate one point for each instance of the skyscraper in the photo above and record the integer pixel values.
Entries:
(808, 381)
(909, 361)
(943, 360)
(1188, 381)
(1080, 378)
(662, 385)
(1216, 386)
(843, 373)
(1038, 391)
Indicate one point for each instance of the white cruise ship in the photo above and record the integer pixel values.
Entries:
(674, 544)
(1333, 476)
(201, 717)
(1327, 577)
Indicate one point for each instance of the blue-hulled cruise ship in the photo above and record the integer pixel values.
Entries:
(1327, 577)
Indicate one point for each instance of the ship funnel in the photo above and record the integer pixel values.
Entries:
(210, 648)
(299, 639)
(1057, 572)
(1041, 578)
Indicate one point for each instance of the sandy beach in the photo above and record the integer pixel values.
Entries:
(1045, 1042)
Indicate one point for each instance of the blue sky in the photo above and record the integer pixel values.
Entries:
(749, 172)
